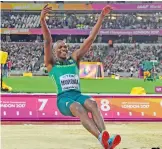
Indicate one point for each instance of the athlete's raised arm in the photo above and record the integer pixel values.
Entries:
(48, 59)
(78, 54)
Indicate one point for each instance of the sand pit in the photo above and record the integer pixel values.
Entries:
(54, 136)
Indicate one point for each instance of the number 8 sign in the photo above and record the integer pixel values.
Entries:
(105, 105)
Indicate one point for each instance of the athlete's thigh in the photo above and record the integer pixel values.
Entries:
(82, 98)
(64, 104)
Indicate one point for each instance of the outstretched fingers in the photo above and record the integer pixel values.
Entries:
(47, 10)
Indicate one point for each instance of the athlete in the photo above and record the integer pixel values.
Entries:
(64, 71)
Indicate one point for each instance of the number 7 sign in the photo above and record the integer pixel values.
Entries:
(47, 108)
(43, 103)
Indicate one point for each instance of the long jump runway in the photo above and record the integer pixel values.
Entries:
(52, 135)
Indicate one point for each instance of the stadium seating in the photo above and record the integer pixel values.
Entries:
(83, 21)
(28, 56)
(26, 53)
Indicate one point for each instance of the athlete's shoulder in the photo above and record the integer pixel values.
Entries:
(75, 60)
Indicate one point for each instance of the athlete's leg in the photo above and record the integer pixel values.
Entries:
(69, 107)
(79, 111)
(91, 106)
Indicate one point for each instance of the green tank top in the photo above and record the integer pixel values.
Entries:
(66, 75)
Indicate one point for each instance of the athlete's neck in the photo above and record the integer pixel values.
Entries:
(62, 59)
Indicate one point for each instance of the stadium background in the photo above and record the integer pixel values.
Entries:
(135, 33)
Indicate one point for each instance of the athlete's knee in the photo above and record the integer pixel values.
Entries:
(77, 109)
(91, 105)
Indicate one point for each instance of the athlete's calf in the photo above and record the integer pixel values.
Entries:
(91, 106)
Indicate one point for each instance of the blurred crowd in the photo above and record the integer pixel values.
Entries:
(120, 58)
(123, 57)
(23, 56)
(83, 21)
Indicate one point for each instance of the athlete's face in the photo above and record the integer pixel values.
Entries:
(62, 50)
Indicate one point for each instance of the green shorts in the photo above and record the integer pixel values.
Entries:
(64, 101)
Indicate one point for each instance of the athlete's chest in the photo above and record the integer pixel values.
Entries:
(66, 67)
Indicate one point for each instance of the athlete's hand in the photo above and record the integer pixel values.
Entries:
(45, 11)
(106, 10)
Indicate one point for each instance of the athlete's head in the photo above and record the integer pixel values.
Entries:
(60, 49)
